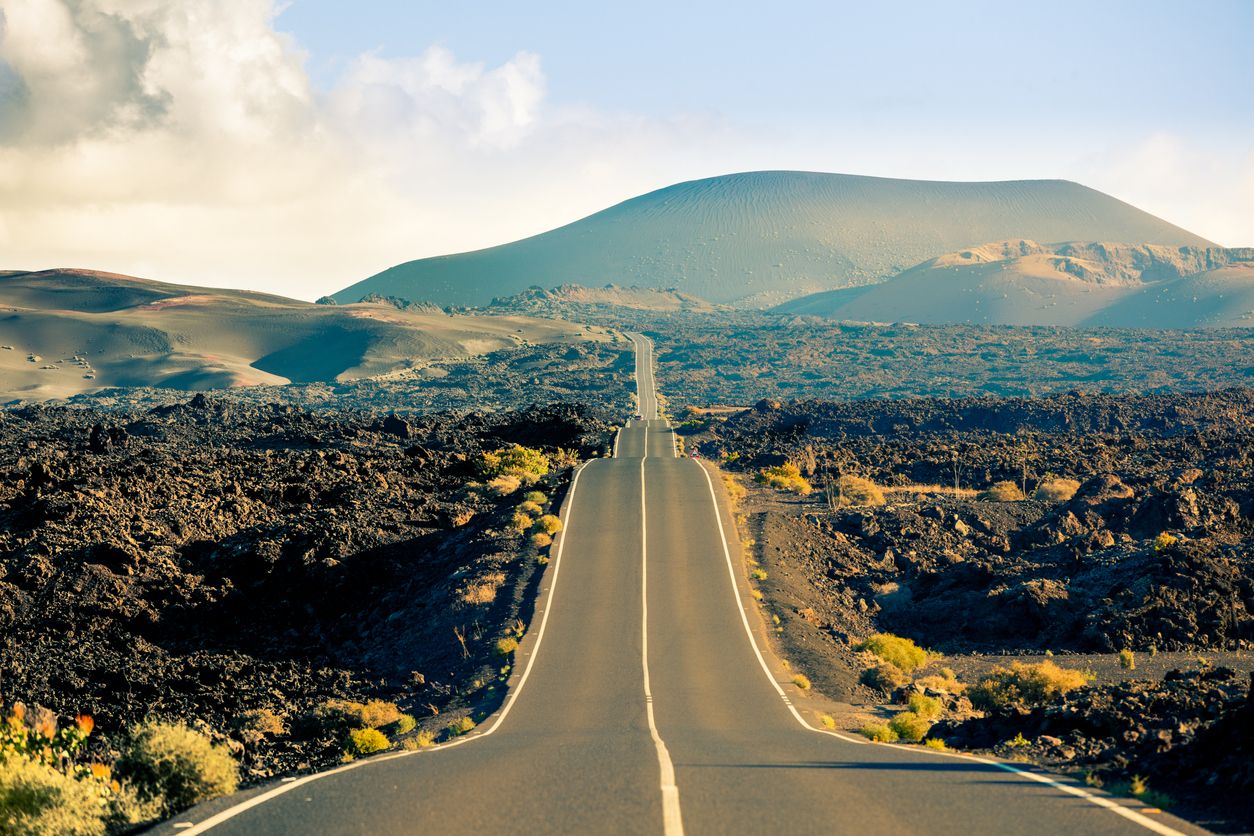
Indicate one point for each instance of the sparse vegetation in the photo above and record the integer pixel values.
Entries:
(896, 650)
(827, 721)
(524, 463)
(175, 766)
(531, 508)
(461, 726)
(878, 733)
(505, 646)
(1127, 659)
(366, 742)
(1056, 490)
(909, 726)
(540, 540)
(758, 573)
(885, 677)
(928, 708)
(785, 477)
(549, 524)
(1005, 491)
(39, 800)
(801, 681)
(483, 590)
(856, 490)
(936, 743)
(537, 497)
(1024, 685)
(1165, 541)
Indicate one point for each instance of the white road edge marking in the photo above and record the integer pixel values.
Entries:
(672, 820)
(1100, 801)
(287, 786)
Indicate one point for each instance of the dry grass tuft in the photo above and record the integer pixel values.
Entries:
(483, 590)
(1056, 490)
(1005, 491)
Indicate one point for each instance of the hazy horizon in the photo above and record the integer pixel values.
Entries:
(297, 148)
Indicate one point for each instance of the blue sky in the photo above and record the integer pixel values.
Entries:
(329, 140)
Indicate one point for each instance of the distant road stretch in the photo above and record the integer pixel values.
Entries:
(641, 702)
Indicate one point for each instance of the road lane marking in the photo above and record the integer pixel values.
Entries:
(289, 785)
(672, 820)
(1071, 789)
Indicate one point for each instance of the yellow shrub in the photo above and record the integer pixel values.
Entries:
(540, 540)
(896, 650)
(366, 742)
(38, 800)
(506, 646)
(521, 522)
(909, 726)
(532, 508)
(885, 676)
(785, 477)
(549, 524)
(1003, 492)
(928, 708)
(181, 767)
(855, 490)
(801, 681)
(1056, 490)
(1024, 686)
(535, 496)
(1165, 541)
(878, 732)
(461, 726)
(523, 462)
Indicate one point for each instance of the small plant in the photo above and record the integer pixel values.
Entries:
(1018, 741)
(180, 767)
(878, 732)
(483, 590)
(460, 726)
(1165, 541)
(1127, 659)
(758, 574)
(506, 646)
(262, 721)
(785, 477)
(1005, 491)
(935, 743)
(909, 726)
(525, 463)
(521, 522)
(928, 708)
(896, 650)
(1025, 686)
(405, 724)
(756, 594)
(884, 677)
(504, 485)
(35, 798)
(549, 524)
(365, 742)
(855, 490)
(827, 721)
(540, 540)
(537, 497)
(946, 681)
(801, 681)
(532, 508)
(1056, 490)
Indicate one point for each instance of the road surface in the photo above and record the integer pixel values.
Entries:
(642, 704)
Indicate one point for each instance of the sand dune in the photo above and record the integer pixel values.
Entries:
(763, 237)
(1021, 282)
(70, 331)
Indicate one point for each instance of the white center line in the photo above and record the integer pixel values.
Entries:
(672, 821)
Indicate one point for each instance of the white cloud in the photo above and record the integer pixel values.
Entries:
(183, 141)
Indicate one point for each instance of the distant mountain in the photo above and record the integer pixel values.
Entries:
(1021, 282)
(762, 237)
(64, 332)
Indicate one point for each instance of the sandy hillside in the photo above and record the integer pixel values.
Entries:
(1021, 282)
(768, 236)
(68, 331)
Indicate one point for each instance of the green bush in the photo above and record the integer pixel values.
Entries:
(878, 732)
(1056, 490)
(885, 677)
(525, 463)
(178, 766)
(1003, 492)
(929, 708)
(366, 742)
(405, 724)
(460, 726)
(531, 508)
(38, 800)
(1127, 659)
(909, 726)
(895, 650)
(549, 524)
(1024, 686)
(537, 497)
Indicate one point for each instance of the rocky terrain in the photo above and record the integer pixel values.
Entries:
(739, 359)
(1077, 526)
(237, 565)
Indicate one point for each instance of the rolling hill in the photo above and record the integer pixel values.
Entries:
(759, 238)
(1021, 282)
(63, 332)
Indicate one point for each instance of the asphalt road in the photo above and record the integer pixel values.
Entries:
(640, 704)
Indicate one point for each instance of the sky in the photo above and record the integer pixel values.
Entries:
(298, 147)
